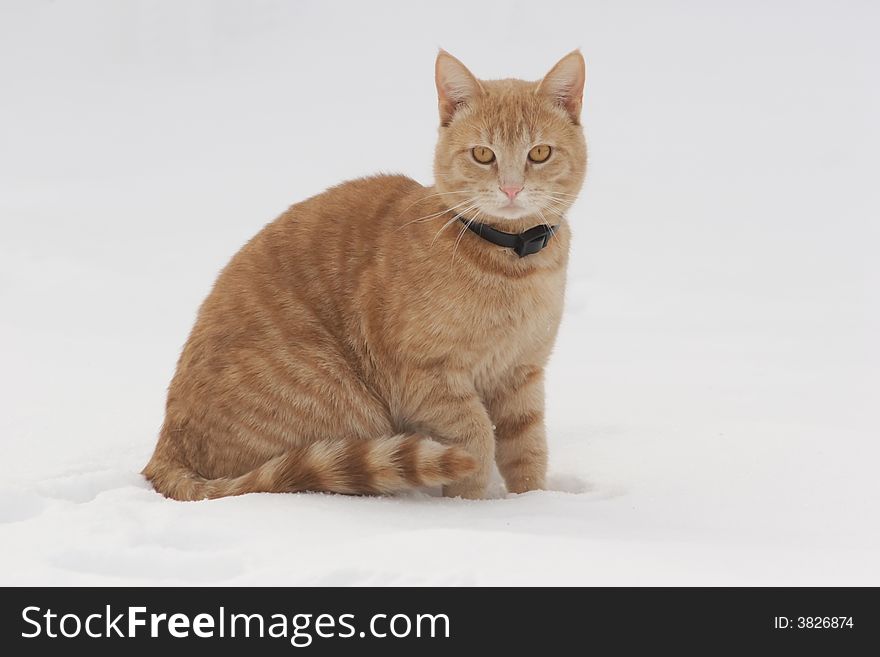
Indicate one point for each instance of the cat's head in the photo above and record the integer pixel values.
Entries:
(510, 149)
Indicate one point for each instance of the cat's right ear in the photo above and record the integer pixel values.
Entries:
(456, 85)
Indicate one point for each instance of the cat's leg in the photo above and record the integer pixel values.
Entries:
(454, 414)
(517, 409)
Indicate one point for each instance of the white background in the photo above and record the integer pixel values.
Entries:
(712, 406)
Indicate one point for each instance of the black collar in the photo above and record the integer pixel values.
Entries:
(523, 244)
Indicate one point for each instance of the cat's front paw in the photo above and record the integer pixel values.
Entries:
(525, 484)
(470, 489)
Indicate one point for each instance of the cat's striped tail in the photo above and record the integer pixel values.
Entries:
(383, 465)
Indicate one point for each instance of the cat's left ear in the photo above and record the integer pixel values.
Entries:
(456, 85)
(565, 84)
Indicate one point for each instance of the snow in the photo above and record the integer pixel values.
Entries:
(712, 401)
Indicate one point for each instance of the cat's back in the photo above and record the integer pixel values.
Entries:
(351, 205)
(314, 242)
(313, 250)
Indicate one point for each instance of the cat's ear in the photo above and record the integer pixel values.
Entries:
(456, 85)
(565, 84)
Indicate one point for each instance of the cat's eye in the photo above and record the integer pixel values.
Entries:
(539, 153)
(483, 155)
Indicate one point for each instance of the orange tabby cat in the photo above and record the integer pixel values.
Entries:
(384, 335)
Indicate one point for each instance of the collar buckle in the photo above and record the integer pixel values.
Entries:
(532, 240)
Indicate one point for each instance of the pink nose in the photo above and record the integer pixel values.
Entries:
(511, 190)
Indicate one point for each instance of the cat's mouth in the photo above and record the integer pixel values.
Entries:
(511, 210)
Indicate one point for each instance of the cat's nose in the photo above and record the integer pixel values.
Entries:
(511, 190)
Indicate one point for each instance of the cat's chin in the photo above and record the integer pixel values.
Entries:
(508, 213)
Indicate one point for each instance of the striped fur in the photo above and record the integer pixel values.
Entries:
(368, 311)
(353, 467)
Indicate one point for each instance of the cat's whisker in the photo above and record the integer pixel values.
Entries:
(555, 196)
(464, 229)
(451, 221)
(547, 223)
(435, 214)
(432, 196)
(556, 206)
(562, 205)
(442, 228)
(558, 193)
(421, 219)
(554, 211)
